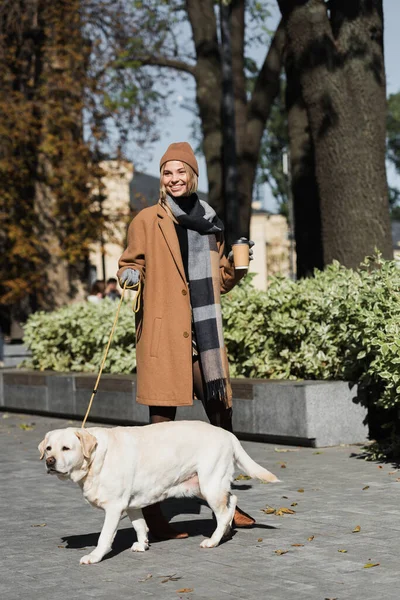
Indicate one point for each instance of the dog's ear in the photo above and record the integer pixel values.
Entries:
(42, 448)
(88, 442)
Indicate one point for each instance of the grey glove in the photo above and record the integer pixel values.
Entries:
(130, 277)
(251, 244)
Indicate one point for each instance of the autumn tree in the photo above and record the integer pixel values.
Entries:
(335, 117)
(168, 46)
(60, 93)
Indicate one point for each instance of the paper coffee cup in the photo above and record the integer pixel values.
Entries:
(241, 254)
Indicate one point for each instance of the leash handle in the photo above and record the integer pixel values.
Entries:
(136, 302)
(136, 307)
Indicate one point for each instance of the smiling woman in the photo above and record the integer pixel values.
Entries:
(177, 179)
(179, 172)
(176, 251)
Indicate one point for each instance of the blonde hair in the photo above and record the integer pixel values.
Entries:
(193, 182)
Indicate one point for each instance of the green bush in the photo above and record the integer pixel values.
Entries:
(341, 324)
(74, 338)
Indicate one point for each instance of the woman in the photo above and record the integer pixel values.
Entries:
(176, 249)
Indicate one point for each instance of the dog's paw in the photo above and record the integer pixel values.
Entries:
(208, 543)
(90, 559)
(140, 546)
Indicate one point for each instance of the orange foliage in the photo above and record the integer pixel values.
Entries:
(47, 175)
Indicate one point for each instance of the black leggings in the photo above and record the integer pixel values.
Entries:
(218, 414)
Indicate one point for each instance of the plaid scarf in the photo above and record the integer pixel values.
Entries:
(203, 226)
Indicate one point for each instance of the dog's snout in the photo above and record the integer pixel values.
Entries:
(50, 461)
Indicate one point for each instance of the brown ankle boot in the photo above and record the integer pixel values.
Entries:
(159, 526)
(242, 519)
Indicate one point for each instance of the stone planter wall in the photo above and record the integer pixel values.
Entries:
(311, 413)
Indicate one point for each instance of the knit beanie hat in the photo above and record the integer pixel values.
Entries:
(181, 151)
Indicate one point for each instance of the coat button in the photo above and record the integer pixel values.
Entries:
(184, 292)
(185, 334)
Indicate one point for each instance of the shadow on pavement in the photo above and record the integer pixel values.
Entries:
(171, 508)
(125, 537)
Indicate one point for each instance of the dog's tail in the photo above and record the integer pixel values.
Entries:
(249, 466)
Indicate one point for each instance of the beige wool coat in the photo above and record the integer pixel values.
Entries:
(163, 324)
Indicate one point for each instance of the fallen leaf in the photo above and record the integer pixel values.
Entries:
(297, 545)
(170, 578)
(268, 511)
(370, 565)
(149, 576)
(283, 466)
(356, 529)
(380, 467)
(393, 472)
(344, 551)
(39, 525)
(285, 497)
(6, 416)
(185, 590)
(301, 491)
(60, 546)
(310, 539)
(294, 504)
(286, 450)
(242, 477)
(366, 487)
(330, 598)
(280, 552)
(284, 511)
(259, 540)
(398, 479)
(317, 452)
(25, 426)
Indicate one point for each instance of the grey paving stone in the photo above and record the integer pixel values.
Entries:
(46, 527)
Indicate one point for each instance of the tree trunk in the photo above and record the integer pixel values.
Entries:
(342, 75)
(250, 115)
(208, 93)
(229, 155)
(304, 189)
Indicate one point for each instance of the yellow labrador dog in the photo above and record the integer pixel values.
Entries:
(124, 469)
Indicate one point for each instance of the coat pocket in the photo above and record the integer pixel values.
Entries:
(155, 337)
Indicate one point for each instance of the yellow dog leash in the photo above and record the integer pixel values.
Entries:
(135, 307)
